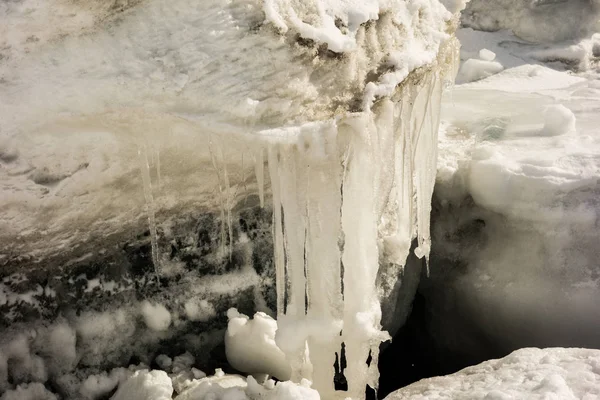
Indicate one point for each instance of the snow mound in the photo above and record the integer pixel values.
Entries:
(250, 345)
(474, 70)
(147, 385)
(556, 373)
(558, 120)
(156, 316)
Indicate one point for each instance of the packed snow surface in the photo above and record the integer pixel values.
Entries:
(532, 374)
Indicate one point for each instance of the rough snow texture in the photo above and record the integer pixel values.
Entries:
(565, 374)
(157, 385)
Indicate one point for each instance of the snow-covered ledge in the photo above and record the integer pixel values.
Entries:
(125, 116)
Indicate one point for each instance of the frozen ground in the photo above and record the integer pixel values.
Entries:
(565, 374)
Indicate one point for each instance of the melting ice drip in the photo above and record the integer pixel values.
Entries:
(338, 187)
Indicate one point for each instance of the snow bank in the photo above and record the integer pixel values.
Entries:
(516, 210)
(565, 374)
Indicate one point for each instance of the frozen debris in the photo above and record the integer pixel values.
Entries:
(474, 70)
(533, 374)
(198, 374)
(183, 362)
(145, 385)
(156, 316)
(487, 55)
(250, 345)
(281, 390)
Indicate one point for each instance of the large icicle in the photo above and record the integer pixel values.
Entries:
(341, 189)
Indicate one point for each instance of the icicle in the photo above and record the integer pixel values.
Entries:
(149, 197)
(362, 313)
(333, 183)
(158, 178)
(259, 170)
(225, 198)
(280, 270)
(325, 306)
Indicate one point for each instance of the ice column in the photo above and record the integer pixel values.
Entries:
(340, 189)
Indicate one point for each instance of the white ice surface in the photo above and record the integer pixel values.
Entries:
(526, 374)
(520, 156)
(528, 134)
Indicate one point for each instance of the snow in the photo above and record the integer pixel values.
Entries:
(156, 316)
(250, 345)
(199, 310)
(31, 391)
(516, 192)
(166, 103)
(530, 373)
(474, 70)
(144, 384)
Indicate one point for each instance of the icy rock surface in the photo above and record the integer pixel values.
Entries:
(530, 373)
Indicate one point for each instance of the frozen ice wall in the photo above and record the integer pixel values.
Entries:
(133, 113)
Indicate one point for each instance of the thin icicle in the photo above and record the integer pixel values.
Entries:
(150, 209)
(222, 198)
(280, 273)
(158, 177)
(259, 170)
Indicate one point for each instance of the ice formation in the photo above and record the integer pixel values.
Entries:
(348, 129)
(344, 186)
(336, 185)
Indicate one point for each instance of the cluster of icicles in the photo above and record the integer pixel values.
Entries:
(334, 188)
(343, 190)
